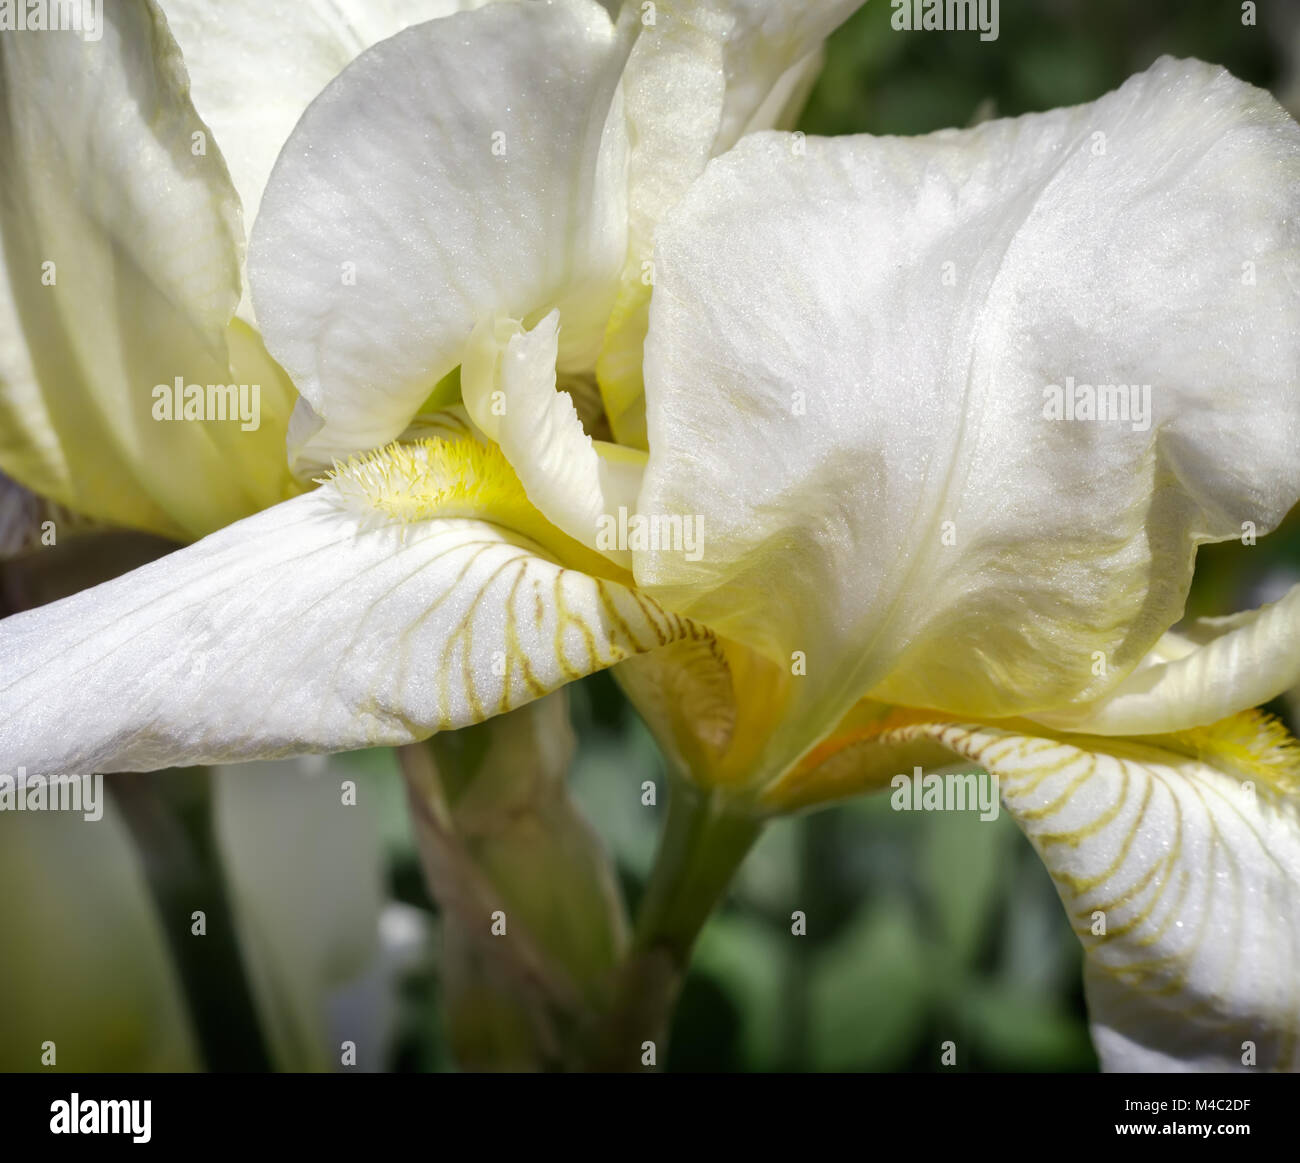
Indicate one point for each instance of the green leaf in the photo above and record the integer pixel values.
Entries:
(959, 871)
(870, 991)
(751, 961)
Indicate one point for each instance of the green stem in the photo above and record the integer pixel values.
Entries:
(703, 845)
(169, 815)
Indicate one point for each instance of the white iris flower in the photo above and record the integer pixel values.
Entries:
(909, 552)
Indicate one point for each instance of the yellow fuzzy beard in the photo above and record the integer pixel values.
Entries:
(1251, 744)
(454, 477)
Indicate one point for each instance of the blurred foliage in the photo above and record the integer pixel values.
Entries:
(1048, 53)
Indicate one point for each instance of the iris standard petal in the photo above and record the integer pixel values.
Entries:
(509, 387)
(855, 351)
(698, 75)
(255, 66)
(466, 166)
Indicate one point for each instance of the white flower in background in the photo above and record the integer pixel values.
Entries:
(90, 963)
(304, 871)
(87, 979)
(891, 517)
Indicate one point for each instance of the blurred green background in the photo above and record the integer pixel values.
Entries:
(921, 928)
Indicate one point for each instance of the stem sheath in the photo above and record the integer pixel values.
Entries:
(703, 845)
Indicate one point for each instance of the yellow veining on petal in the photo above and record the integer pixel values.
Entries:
(1176, 856)
(1170, 841)
(551, 609)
